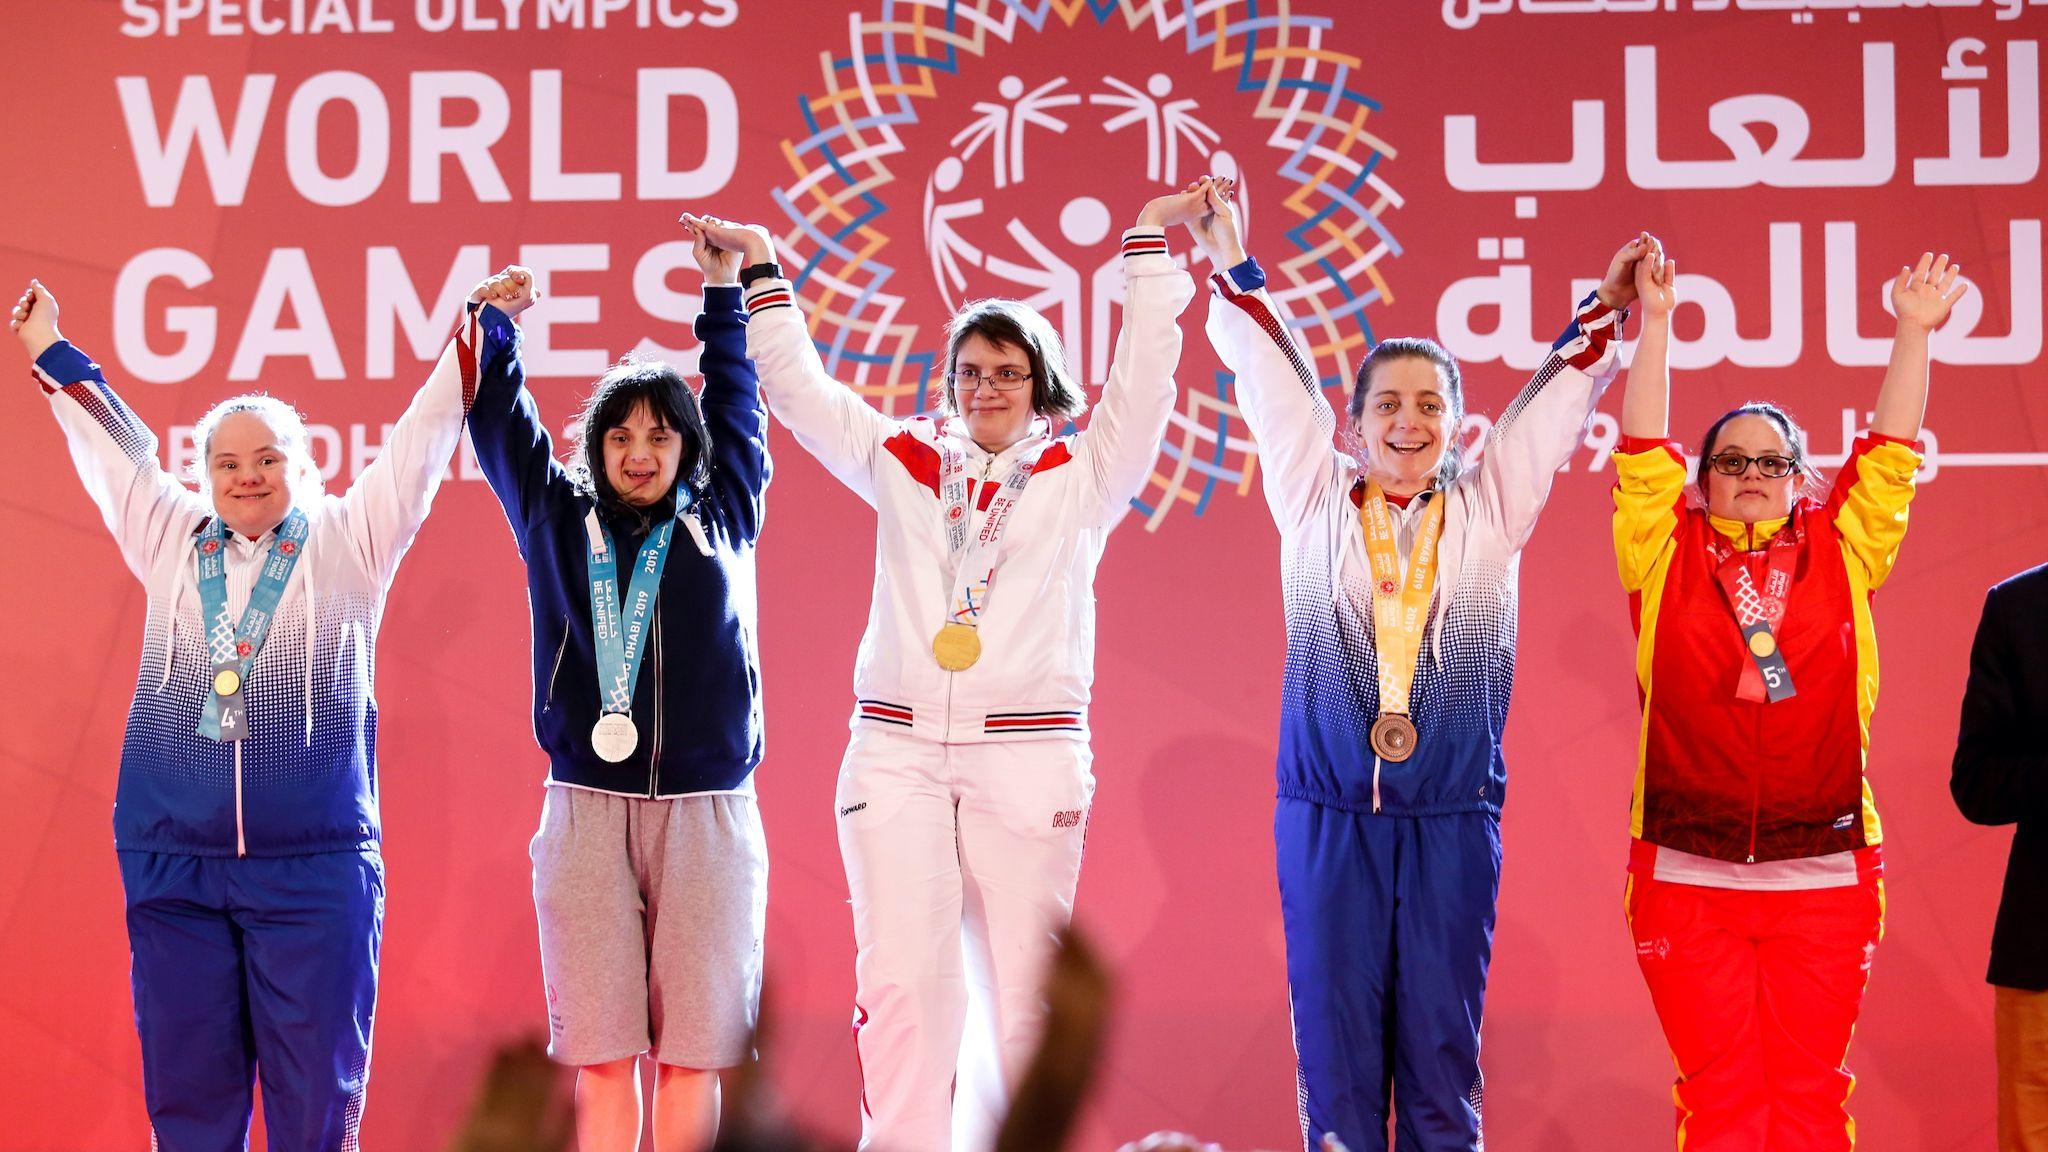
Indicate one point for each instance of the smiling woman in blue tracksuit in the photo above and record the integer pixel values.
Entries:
(650, 870)
(1399, 574)
(246, 817)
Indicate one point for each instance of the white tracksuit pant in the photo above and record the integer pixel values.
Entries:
(962, 861)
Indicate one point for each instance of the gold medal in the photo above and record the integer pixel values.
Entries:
(957, 646)
(1393, 737)
(227, 682)
(1762, 644)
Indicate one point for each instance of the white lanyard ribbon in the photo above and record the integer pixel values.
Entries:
(977, 556)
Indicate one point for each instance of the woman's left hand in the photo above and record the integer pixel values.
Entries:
(1923, 294)
(1180, 207)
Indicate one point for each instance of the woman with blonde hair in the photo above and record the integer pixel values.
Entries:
(245, 817)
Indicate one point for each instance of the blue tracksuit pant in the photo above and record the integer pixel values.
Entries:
(254, 965)
(1389, 925)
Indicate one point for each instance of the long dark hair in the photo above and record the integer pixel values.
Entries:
(1795, 442)
(625, 386)
(1054, 392)
(1452, 462)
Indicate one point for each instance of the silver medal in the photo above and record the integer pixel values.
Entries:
(614, 737)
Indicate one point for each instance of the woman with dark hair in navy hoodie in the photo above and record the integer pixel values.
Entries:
(650, 870)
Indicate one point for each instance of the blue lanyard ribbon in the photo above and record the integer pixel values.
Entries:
(621, 631)
(233, 646)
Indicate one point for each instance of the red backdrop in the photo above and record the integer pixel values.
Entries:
(349, 167)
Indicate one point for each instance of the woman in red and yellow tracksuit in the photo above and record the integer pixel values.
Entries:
(1755, 894)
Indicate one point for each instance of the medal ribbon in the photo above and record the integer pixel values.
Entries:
(1399, 607)
(232, 647)
(979, 556)
(1759, 612)
(621, 635)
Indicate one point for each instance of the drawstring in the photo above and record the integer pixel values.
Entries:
(311, 634)
(696, 528)
(171, 644)
(1436, 630)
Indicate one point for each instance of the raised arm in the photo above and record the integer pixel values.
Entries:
(733, 411)
(2000, 774)
(830, 420)
(1649, 469)
(115, 453)
(1542, 426)
(1118, 451)
(384, 508)
(1875, 487)
(1646, 392)
(1922, 296)
(1276, 388)
(513, 446)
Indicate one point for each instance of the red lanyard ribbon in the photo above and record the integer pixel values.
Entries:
(1759, 612)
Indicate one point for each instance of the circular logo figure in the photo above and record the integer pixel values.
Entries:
(1036, 138)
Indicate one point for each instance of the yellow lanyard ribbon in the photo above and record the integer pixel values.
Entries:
(1399, 607)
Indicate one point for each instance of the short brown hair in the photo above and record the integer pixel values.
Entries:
(1055, 394)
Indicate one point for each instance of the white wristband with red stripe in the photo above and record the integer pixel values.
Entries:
(1145, 241)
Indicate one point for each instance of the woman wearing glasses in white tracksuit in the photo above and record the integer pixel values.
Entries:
(964, 794)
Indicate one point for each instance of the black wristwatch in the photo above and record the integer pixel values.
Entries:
(765, 270)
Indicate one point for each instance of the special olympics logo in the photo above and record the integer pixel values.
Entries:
(286, 547)
(988, 230)
(1024, 133)
(210, 547)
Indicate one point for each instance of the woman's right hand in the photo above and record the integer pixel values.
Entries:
(35, 319)
(1655, 275)
(1617, 289)
(1215, 231)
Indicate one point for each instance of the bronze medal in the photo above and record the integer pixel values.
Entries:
(957, 646)
(1393, 737)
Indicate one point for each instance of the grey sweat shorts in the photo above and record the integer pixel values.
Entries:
(651, 917)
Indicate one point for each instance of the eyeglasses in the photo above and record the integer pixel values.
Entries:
(1735, 464)
(1002, 379)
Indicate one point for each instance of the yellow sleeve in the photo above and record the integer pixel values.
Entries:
(1869, 503)
(1649, 487)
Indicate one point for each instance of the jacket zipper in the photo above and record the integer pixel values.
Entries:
(241, 839)
(654, 745)
(1756, 780)
(1756, 793)
(1375, 784)
(555, 673)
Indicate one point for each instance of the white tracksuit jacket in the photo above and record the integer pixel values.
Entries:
(1038, 634)
(305, 779)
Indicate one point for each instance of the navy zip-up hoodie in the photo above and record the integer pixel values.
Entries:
(697, 702)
